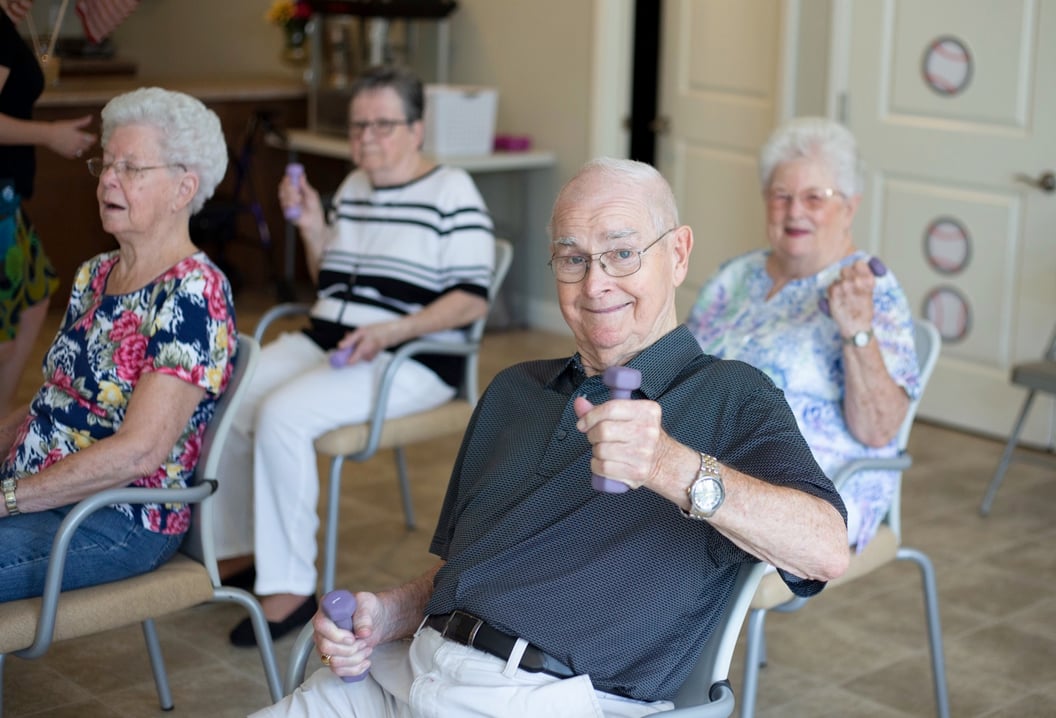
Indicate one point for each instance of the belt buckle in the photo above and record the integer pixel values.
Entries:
(471, 636)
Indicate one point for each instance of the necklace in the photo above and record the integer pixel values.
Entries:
(46, 55)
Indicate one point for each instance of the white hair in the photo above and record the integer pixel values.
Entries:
(815, 138)
(191, 132)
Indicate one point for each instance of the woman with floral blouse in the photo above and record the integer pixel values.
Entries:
(144, 351)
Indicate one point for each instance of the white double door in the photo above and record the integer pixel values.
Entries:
(954, 107)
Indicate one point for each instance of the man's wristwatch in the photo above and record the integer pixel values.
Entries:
(8, 486)
(706, 493)
(859, 339)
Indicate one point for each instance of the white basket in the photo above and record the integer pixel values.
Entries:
(459, 120)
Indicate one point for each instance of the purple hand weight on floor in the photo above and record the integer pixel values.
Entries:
(621, 380)
(875, 265)
(339, 606)
(339, 357)
(294, 171)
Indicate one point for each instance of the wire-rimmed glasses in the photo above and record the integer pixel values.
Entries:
(622, 262)
(813, 198)
(381, 128)
(126, 171)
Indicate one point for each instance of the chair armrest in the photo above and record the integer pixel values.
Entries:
(405, 352)
(73, 521)
(895, 463)
(289, 309)
(721, 704)
(299, 655)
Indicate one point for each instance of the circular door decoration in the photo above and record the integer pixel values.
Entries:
(947, 66)
(947, 245)
(949, 311)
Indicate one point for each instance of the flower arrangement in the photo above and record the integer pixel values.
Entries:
(288, 12)
(292, 16)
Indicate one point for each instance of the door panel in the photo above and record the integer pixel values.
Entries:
(951, 101)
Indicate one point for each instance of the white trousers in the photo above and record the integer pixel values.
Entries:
(269, 461)
(431, 677)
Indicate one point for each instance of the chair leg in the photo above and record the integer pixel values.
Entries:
(405, 488)
(157, 664)
(931, 608)
(1006, 457)
(2, 657)
(332, 513)
(302, 650)
(265, 647)
(753, 660)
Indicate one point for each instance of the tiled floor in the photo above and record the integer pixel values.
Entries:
(857, 650)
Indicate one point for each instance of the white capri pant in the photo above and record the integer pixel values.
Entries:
(269, 460)
(432, 677)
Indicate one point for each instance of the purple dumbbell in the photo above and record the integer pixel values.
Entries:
(339, 606)
(875, 265)
(339, 358)
(621, 380)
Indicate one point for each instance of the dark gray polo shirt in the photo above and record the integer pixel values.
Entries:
(621, 587)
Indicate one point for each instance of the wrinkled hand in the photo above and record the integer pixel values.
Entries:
(68, 138)
(369, 341)
(627, 437)
(350, 651)
(851, 298)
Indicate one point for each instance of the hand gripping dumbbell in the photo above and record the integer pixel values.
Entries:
(339, 606)
(875, 265)
(621, 380)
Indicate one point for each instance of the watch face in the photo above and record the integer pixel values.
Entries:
(861, 339)
(707, 494)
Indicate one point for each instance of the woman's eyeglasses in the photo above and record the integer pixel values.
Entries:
(813, 198)
(124, 170)
(381, 128)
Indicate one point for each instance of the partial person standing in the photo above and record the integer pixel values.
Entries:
(847, 364)
(406, 254)
(28, 280)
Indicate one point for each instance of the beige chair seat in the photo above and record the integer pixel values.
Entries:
(451, 418)
(179, 584)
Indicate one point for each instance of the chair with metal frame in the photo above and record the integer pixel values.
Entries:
(706, 693)
(360, 442)
(1034, 376)
(885, 547)
(30, 626)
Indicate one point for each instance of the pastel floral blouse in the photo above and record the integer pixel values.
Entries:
(182, 324)
(799, 347)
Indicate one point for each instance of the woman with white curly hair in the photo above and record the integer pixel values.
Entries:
(144, 351)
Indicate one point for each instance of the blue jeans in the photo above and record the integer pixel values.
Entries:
(108, 546)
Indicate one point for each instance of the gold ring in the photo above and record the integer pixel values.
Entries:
(325, 657)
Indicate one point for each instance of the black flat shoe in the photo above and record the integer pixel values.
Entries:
(242, 635)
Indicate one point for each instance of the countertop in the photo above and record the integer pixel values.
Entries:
(99, 90)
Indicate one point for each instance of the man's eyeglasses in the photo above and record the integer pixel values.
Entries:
(571, 268)
(125, 171)
(382, 128)
(813, 198)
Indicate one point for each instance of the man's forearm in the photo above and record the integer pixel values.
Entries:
(405, 606)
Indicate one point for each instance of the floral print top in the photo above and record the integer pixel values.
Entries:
(800, 348)
(182, 324)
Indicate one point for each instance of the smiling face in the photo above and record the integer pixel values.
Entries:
(615, 318)
(807, 239)
(139, 205)
(391, 159)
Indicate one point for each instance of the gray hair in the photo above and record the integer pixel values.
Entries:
(815, 138)
(653, 189)
(399, 79)
(190, 131)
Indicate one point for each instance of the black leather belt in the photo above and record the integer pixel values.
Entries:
(469, 630)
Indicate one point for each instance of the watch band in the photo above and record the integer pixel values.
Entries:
(710, 470)
(10, 502)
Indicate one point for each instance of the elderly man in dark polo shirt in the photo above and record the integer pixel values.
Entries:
(580, 602)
